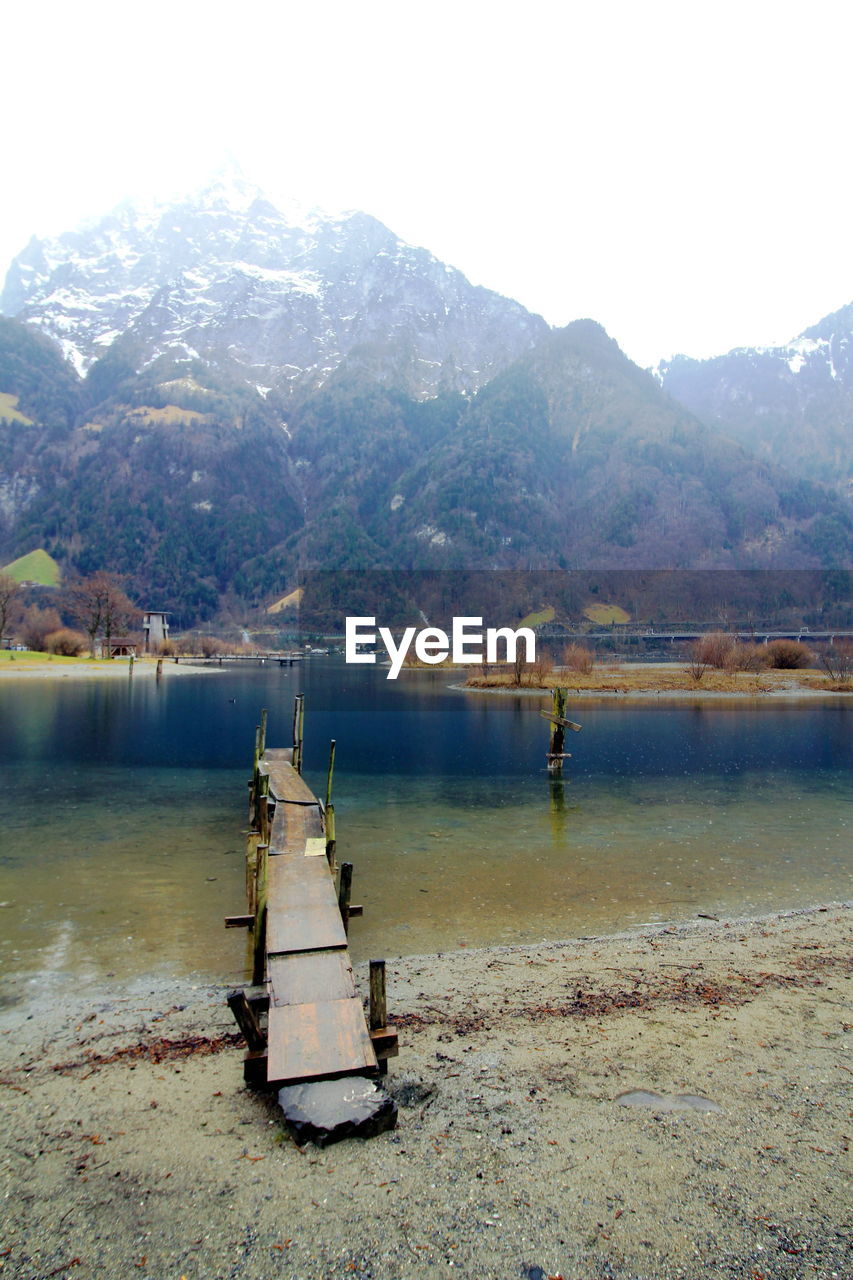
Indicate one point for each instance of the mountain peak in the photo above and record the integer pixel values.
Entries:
(281, 291)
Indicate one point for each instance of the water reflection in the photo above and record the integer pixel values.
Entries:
(123, 803)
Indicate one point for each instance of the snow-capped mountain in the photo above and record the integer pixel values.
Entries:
(278, 295)
(791, 404)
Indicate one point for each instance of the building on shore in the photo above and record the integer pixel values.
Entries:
(156, 628)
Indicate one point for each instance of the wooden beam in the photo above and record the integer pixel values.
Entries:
(385, 1042)
(344, 891)
(560, 720)
(246, 1021)
(239, 922)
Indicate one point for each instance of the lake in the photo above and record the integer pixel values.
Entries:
(124, 802)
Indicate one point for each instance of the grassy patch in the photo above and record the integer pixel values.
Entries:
(537, 619)
(639, 678)
(31, 658)
(9, 409)
(290, 601)
(605, 614)
(36, 566)
(170, 415)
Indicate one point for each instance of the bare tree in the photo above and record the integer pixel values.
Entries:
(10, 592)
(99, 605)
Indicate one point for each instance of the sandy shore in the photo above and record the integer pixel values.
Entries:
(86, 669)
(134, 1149)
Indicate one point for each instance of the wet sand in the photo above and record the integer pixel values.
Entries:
(132, 1147)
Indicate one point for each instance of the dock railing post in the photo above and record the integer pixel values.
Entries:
(331, 842)
(330, 772)
(298, 725)
(345, 892)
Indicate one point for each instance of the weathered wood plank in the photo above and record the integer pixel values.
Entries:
(561, 720)
(292, 825)
(279, 755)
(286, 784)
(311, 977)
(312, 1041)
(303, 911)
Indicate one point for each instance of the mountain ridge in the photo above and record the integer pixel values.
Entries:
(282, 304)
(791, 404)
(451, 429)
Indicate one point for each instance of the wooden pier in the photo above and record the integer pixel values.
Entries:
(302, 976)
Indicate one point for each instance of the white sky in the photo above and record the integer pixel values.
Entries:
(677, 169)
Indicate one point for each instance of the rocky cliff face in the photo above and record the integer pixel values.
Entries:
(280, 298)
(792, 405)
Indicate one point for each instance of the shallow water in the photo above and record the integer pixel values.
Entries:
(123, 804)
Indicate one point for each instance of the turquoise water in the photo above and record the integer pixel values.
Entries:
(123, 805)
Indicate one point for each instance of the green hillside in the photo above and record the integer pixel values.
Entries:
(37, 566)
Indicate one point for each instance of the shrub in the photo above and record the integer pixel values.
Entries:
(167, 649)
(747, 657)
(714, 649)
(538, 671)
(66, 642)
(38, 625)
(837, 660)
(788, 655)
(577, 658)
(210, 647)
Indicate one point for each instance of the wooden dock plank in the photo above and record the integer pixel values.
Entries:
(313, 1041)
(302, 908)
(311, 977)
(292, 825)
(286, 784)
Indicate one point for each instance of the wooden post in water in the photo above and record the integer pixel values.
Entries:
(344, 893)
(159, 671)
(263, 809)
(262, 732)
(558, 731)
(256, 757)
(559, 725)
(331, 842)
(259, 931)
(331, 770)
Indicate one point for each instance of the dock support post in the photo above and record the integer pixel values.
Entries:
(558, 731)
(298, 724)
(378, 1005)
(331, 770)
(246, 1021)
(262, 732)
(345, 892)
(331, 842)
(259, 938)
(378, 1015)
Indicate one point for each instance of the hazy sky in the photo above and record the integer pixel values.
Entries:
(680, 171)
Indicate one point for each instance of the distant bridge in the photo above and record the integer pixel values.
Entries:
(754, 634)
